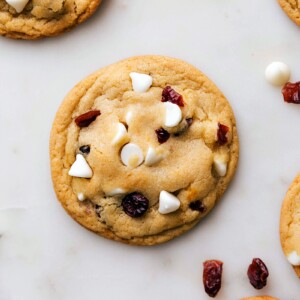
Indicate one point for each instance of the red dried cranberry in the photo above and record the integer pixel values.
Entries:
(162, 135)
(85, 149)
(87, 118)
(198, 206)
(135, 204)
(291, 92)
(212, 276)
(258, 273)
(222, 134)
(171, 95)
(189, 121)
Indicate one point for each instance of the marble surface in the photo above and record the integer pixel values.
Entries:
(45, 255)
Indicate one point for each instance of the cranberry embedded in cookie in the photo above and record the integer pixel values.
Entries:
(137, 154)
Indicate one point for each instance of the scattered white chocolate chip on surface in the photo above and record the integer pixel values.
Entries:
(18, 5)
(167, 203)
(80, 168)
(128, 117)
(277, 73)
(140, 82)
(173, 114)
(115, 192)
(153, 157)
(220, 165)
(132, 155)
(81, 197)
(294, 258)
(121, 135)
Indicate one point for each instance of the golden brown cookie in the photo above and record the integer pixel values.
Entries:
(290, 225)
(143, 149)
(41, 18)
(260, 298)
(292, 9)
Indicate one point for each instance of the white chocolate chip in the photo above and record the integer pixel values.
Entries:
(294, 258)
(132, 155)
(128, 117)
(80, 168)
(18, 5)
(140, 82)
(220, 166)
(115, 192)
(153, 157)
(81, 196)
(277, 73)
(167, 203)
(173, 114)
(121, 135)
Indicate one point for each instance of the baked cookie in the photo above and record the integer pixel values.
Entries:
(290, 225)
(142, 150)
(260, 298)
(292, 9)
(33, 19)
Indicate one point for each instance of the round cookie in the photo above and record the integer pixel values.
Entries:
(41, 18)
(292, 9)
(143, 183)
(260, 298)
(290, 225)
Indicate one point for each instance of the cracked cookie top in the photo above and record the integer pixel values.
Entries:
(141, 150)
(40, 18)
(292, 9)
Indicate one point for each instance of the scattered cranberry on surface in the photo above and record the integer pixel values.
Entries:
(222, 134)
(87, 118)
(291, 92)
(171, 95)
(212, 276)
(162, 135)
(135, 204)
(85, 149)
(258, 273)
(198, 206)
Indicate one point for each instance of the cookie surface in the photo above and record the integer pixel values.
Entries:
(41, 18)
(260, 298)
(290, 225)
(292, 9)
(181, 177)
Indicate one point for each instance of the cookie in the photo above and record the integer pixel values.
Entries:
(260, 298)
(290, 225)
(33, 19)
(292, 9)
(143, 149)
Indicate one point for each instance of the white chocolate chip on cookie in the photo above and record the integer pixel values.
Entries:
(121, 136)
(132, 155)
(140, 82)
(173, 114)
(18, 5)
(115, 192)
(294, 258)
(81, 197)
(168, 203)
(80, 168)
(153, 156)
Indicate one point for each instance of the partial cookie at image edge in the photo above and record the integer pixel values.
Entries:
(292, 11)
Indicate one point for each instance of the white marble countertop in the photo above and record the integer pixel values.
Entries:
(45, 255)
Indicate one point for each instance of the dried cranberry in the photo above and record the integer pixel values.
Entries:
(198, 206)
(135, 204)
(189, 121)
(212, 276)
(171, 95)
(85, 149)
(222, 134)
(258, 273)
(87, 118)
(291, 92)
(162, 135)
